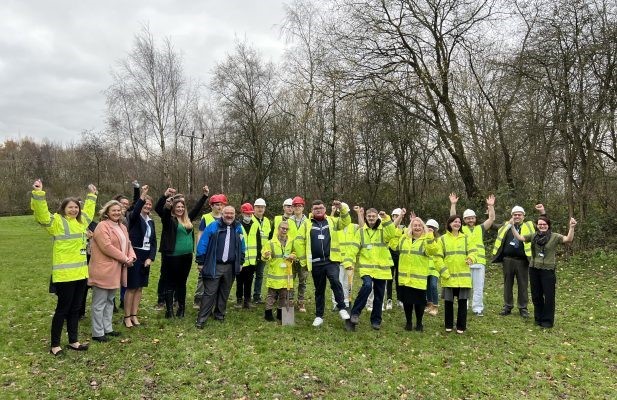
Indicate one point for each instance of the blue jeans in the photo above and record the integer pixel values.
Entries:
(320, 274)
(368, 284)
(432, 296)
(259, 277)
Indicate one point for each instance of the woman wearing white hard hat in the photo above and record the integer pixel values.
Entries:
(432, 294)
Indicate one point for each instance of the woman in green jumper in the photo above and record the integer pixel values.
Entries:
(542, 276)
(176, 246)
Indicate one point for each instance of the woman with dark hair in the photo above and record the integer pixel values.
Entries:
(111, 254)
(69, 267)
(458, 256)
(177, 245)
(143, 240)
(542, 276)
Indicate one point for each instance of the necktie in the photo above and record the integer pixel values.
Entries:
(226, 246)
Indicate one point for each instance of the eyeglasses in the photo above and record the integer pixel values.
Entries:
(283, 229)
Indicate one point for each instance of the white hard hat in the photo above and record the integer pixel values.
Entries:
(468, 213)
(433, 223)
(517, 209)
(396, 211)
(288, 202)
(260, 202)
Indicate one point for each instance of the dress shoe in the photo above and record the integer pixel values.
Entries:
(376, 326)
(505, 311)
(420, 328)
(112, 333)
(409, 326)
(524, 313)
(57, 353)
(81, 347)
(100, 338)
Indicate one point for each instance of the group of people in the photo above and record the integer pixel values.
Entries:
(282, 252)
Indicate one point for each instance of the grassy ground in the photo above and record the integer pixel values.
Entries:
(245, 357)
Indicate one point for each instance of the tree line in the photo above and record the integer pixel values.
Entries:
(381, 102)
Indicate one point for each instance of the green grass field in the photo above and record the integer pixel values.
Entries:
(247, 358)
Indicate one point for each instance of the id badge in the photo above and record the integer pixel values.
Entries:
(82, 252)
(513, 243)
(369, 246)
(283, 265)
(321, 237)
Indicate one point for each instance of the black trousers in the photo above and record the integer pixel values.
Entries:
(320, 273)
(176, 270)
(70, 296)
(461, 315)
(543, 283)
(244, 283)
(409, 308)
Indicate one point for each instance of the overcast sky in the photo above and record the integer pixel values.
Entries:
(56, 56)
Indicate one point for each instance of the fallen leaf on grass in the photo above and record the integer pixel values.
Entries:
(155, 341)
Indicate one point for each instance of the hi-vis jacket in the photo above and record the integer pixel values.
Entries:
(68, 235)
(278, 268)
(475, 237)
(263, 230)
(415, 258)
(456, 250)
(526, 229)
(302, 244)
(370, 246)
(346, 238)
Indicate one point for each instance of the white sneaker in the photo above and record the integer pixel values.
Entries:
(400, 304)
(389, 305)
(318, 321)
(344, 314)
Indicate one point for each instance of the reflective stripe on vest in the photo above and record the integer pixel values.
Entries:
(416, 276)
(70, 265)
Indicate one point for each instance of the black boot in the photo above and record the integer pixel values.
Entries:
(279, 314)
(169, 304)
(268, 315)
(180, 312)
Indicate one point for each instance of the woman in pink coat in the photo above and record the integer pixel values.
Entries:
(112, 253)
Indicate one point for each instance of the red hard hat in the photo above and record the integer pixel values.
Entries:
(297, 200)
(247, 208)
(218, 198)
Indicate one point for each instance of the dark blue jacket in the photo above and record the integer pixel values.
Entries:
(138, 228)
(207, 246)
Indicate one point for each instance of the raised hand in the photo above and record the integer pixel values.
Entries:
(490, 200)
(205, 190)
(453, 198)
(572, 222)
(92, 189)
(170, 192)
(37, 185)
(337, 204)
(540, 208)
(382, 214)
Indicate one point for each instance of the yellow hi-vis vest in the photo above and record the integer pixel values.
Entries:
(263, 230)
(302, 244)
(526, 229)
(415, 260)
(346, 238)
(456, 250)
(475, 238)
(277, 270)
(370, 246)
(68, 235)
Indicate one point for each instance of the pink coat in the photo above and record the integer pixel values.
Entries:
(106, 268)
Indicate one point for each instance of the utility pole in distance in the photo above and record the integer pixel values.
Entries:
(192, 138)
